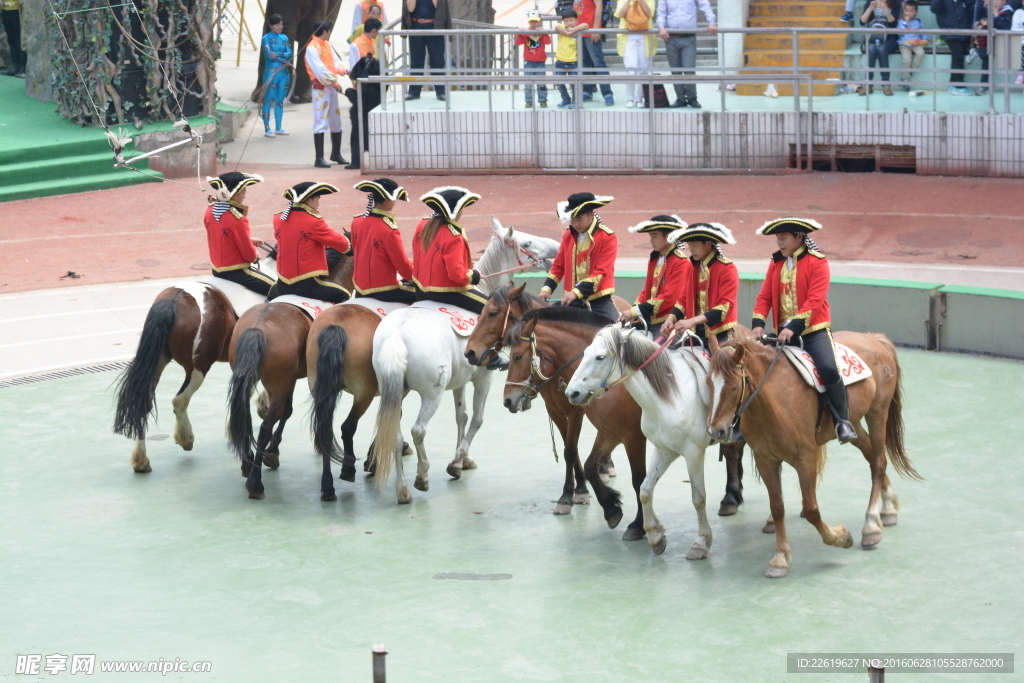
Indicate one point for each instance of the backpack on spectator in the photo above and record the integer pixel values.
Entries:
(635, 18)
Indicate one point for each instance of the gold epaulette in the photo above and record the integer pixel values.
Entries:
(236, 213)
(679, 252)
(812, 252)
(604, 227)
(723, 259)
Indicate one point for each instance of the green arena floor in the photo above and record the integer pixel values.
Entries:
(179, 563)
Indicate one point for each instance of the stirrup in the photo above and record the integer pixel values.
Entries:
(845, 431)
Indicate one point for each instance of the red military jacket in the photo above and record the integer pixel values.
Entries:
(445, 265)
(301, 243)
(228, 238)
(664, 286)
(712, 289)
(378, 253)
(588, 266)
(798, 299)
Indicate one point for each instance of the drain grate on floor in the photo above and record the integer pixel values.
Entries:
(469, 576)
(61, 374)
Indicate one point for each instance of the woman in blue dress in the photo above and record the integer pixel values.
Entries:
(277, 52)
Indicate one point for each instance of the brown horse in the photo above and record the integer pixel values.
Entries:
(779, 424)
(268, 345)
(195, 334)
(339, 358)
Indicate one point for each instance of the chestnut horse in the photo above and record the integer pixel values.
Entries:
(193, 333)
(779, 424)
(268, 345)
(544, 351)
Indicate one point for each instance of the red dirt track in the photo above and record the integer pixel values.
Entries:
(155, 230)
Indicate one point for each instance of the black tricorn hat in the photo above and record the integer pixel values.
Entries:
(383, 189)
(789, 224)
(303, 191)
(712, 232)
(448, 201)
(578, 203)
(231, 183)
(662, 222)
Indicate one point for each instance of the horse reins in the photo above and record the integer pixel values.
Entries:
(608, 387)
(743, 405)
(535, 358)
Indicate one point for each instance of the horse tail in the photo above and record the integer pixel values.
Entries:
(394, 359)
(820, 458)
(136, 388)
(249, 352)
(330, 381)
(894, 428)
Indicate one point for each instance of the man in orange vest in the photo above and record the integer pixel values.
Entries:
(325, 74)
(365, 43)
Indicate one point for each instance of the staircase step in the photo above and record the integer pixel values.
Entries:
(797, 9)
(53, 168)
(797, 22)
(101, 181)
(17, 155)
(786, 90)
(781, 41)
(785, 58)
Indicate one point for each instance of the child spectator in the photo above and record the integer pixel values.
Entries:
(1017, 26)
(880, 15)
(375, 12)
(636, 47)
(912, 45)
(1002, 20)
(566, 54)
(365, 10)
(277, 51)
(535, 57)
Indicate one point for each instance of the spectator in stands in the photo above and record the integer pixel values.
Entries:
(637, 47)
(911, 45)
(955, 14)
(535, 57)
(426, 15)
(375, 12)
(1017, 26)
(12, 24)
(567, 52)
(880, 15)
(1002, 20)
(674, 18)
(591, 13)
(367, 9)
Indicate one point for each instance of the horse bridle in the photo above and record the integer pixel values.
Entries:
(741, 406)
(536, 355)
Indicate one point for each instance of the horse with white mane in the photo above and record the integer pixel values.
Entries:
(415, 349)
(674, 416)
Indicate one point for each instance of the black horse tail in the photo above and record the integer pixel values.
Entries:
(136, 387)
(249, 352)
(894, 427)
(330, 381)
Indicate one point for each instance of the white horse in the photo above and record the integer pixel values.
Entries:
(415, 349)
(674, 416)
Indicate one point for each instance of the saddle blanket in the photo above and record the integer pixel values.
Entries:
(240, 298)
(851, 367)
(463, 321)
(381, 308)
(699, 360)
(311, 307)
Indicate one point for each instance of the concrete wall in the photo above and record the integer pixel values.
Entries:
(180, 162)
(915, 314)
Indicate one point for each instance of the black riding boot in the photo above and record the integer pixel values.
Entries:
(318, 144)
(336, 149)
(836, 395)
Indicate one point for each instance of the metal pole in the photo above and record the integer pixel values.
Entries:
(1006, 79)
(650, 115)
(379, 669)
(935, 74)
(876, 674)
(241, 26)
(810, 128)
(991, 46)
(361, 125)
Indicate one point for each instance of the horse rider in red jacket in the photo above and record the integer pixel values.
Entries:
(667, 273)
(712, 286)
(795, 290)
(441, 263)
(302, 239)
(586, 256)
(377, 248)
(232, 248)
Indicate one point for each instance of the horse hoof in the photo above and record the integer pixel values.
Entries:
(727, 510)
(468, 463)
(421, 484)
(845, 539)
(776, 572)
(611, 470)
(271, 461)
(659, 547)
(888, 519)
(562, 508)
(633, 534)
(258, 495)
(367, 467)
(406, 499)
(768, 528)
(581, 498)
(870, 540)
(143, 469)
(614, 520)
(348, 473)
(453, 471)
(406, 448)
(604, 478)
(328, 497)
(697, 553)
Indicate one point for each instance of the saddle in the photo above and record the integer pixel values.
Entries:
(381, 308)
(463, 322)
(311, 307)
(851, 367)
(691, 350)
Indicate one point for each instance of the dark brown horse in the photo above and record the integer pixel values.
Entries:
(192, 326)
(268, 345)
(779, 424)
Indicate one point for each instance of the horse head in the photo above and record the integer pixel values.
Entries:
(501, 313)
(597, 367)
(520, 384)
(729, 386)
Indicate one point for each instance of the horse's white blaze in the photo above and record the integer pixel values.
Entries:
(717, 385)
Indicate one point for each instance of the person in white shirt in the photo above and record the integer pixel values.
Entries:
(325, 74)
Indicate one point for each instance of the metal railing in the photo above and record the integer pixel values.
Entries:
(490, 52)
